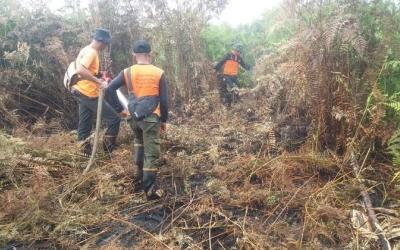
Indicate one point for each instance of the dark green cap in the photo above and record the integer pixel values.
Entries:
(238, 47)
(141, 46)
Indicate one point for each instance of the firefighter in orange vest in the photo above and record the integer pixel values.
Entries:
(148, 106)
(230, 69)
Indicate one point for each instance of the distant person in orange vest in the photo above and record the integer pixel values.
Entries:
(86, 91)
(148, 106)
(230, 69)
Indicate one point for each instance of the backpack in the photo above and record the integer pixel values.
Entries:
(71, 77)
(141, 107)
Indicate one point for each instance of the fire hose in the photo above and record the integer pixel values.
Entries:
(124, 102)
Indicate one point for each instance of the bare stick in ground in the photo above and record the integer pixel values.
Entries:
(97, 131)
(368, 205)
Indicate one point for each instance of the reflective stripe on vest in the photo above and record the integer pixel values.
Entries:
(231, 66)
(144, 81)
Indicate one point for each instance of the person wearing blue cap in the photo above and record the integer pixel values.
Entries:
(86, 91)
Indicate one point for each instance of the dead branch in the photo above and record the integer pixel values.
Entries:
(368, 204)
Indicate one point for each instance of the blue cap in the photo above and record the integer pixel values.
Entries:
(102, 35)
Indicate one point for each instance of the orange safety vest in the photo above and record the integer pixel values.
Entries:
(144, 81)
(231, 66)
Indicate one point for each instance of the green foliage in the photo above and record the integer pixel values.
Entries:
(260, 37)
(394, 105)
(218, 40)
(384, 30)
(393, 113)
(379, 22)
(393, 148)
(390, 81)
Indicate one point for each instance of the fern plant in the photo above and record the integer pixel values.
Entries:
(394, 105)
(394, 150)
(394, 147)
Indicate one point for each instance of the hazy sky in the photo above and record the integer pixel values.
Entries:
(245, 11)
(237, 11)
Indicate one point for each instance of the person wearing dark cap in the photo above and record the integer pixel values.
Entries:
(230, 65)
(148, 106)
(86, 91)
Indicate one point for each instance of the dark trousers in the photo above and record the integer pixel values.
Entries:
(88, 110)
(147, 149)
(226, 84)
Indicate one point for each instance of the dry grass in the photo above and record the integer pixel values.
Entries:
(274, 172)
(225, 189)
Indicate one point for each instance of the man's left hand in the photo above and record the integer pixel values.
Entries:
(163, 127)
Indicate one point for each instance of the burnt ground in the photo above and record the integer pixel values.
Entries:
(230, 183)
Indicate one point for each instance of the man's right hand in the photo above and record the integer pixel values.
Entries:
(102, 84)
(124, 113)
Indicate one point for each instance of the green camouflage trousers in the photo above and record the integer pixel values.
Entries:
(147, 149)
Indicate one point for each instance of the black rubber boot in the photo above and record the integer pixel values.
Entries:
(138, 159)
(149, 186)
(228, 99)
(86, 148)
(138, 182)
(109, 143)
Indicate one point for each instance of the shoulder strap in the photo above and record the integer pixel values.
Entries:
(129, 83)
